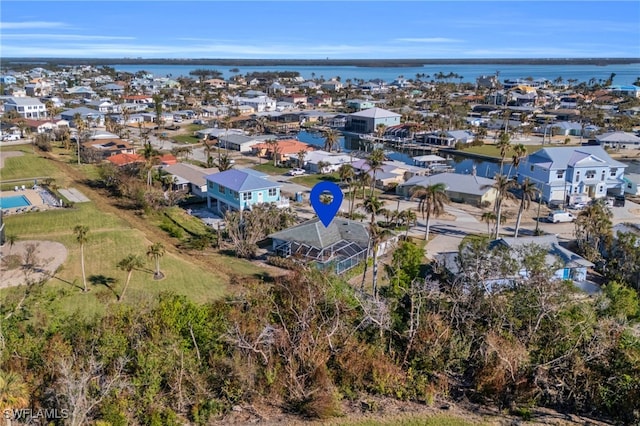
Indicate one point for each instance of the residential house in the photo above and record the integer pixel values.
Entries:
(368, 120)
(331, 85)
(26, 107)
(80, 92)
(468, 189)
(240, 189)
(286, 152)
(295, 98)
(88, 114)
(190, 178)
(8, 80)
(332, 161)
(566, 265)
(239, 142)
(632, 183)
(631, 90)
(113, 89)
(105, 148)
(360, 104)
(321, 100)
(570, 173)
(258, 103)
(45, 126)
(445, 138)
(339, 247)
(390, 173)
(619, 140)
(105, 106)
(125, 159)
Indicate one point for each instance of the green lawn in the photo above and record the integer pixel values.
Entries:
(270, 169)
(28, 165)
(109, 240)
(313, 179)
(186, 139)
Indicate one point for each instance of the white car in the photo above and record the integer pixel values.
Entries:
(10, 137)
(578, 206)
(296, 172)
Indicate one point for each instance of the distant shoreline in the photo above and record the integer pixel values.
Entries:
(391, 63)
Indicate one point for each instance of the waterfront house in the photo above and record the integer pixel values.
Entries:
(390, 173)
(368, 120)
(238, 142)
(287, 150)
(332, 161)
(240, 189)
(468, 189)
(445, 138)
(360, 104)
(569, 173)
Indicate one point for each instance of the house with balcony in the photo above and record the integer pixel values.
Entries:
(368, 120)
(569, 174)
(26, 107)
(241, 189)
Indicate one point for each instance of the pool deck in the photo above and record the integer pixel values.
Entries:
(30, 194)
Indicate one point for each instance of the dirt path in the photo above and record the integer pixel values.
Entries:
(8, 154)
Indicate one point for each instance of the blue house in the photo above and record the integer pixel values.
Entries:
(242, 189)
(569, 174)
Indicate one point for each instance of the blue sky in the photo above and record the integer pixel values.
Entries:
(320, 29)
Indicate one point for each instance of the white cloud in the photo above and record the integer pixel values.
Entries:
(30, 25)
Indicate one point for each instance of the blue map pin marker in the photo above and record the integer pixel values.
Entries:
(326, 212)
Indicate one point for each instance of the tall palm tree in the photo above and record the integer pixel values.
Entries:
(224, 163)
(301, 155)
(504, 145)
(373, 205)
(431, 201)
(331, 140)
(528, 192)
(81, 126)
(274, 145)
(81, 232)
(502, 185)
(375, 161)
(408, 218)
(364, 179)
(156, 251)
(128, 264)
(519, 152)
(347, 174)
(150, 155)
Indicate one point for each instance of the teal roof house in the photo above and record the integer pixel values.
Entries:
(241, 190)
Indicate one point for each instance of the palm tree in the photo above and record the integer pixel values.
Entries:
(502, 185)
(380, 130)
(364, 179)
(14, 393)
(11, 239)
(301, 155)
(81, 126)
(431, 201)
(373, 205)
(489, 217)
(128, 264)
(274, 144)
(330, 140)
(408, 217)
(224, 163)
(503, 145)
(150, 155)
(347, 174)
(322, 165)
(156, 251)
(528, 191)
(81, 232)
(375, 161)
(519, 152)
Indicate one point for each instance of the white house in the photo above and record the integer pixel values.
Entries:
(570, 173)
(619, 140)
(258, 103)
(26, 107)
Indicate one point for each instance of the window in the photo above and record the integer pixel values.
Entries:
(603, 174)
(273, 192)
(236, 196)
(221, 189)
(532, 167)
(578, 175)
(246, 196)
(560, 174)
(210, 185)
(590, 174)
(601, 189)
(613, 172)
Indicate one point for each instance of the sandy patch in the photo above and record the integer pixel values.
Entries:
(8, 154)
(50, 256)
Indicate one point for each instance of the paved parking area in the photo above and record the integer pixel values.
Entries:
(74, 195)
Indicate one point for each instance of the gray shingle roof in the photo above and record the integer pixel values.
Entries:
(550, 243)
(375, 113)
(455, 182)
(558, 158)
(314, 234)
(241, 181)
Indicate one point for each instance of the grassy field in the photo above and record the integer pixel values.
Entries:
(28, 165)
(186, 139)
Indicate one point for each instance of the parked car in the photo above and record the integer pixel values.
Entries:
(296, 172)
(11, 137)
(619, 201)
(198, 121)
(578, 206)
(560, 216)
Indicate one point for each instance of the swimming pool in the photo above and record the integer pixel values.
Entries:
(14, 201)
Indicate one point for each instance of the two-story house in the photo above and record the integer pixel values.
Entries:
(567, 174)
(367, 121)
(242, 189)
(26, 107)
